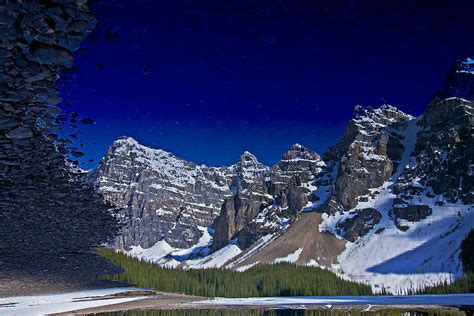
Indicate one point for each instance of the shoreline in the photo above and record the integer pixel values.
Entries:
(121, 299)
(166, 301)
(173, 301)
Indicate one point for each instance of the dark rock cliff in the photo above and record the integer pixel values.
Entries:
(458, 82)
(366, 155)
(273, 204)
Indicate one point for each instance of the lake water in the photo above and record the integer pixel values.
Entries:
(281, 313)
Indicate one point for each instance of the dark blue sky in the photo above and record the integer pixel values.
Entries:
(229, 76)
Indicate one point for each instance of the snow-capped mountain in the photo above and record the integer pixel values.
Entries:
(163, 197)
(388, 205)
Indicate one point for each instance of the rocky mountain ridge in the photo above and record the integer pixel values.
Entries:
(171, 199)
(394, 188)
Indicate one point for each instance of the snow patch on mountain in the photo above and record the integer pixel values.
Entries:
(216, 259)
(466, 66)
(291, 258)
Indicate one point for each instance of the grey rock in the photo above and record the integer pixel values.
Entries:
(163, 196)
(359, 224)
(19, 132)
(412, 213)
(365, 155)
(443, 154)
(271, 203)
(51, 55)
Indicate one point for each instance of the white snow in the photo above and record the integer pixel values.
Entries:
(165, 255)
(60, 303)
(467, 66)
(292, 257)
(433, 300)
(314, 263)
(426, 254)
(260, 244)
(216, 259)
(154, 253)
(469, 61)
(246, 267)
(175, 173)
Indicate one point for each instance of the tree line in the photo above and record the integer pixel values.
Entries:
(281, 279)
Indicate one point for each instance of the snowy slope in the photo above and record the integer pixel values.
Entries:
(60, 303)
(391, 259)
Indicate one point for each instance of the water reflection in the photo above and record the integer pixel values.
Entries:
(282, 313)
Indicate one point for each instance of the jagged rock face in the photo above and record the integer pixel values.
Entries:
(236, 213)
(459, 81)
(366, 155)
(168, 198)
(248, 174)
(164, 197)
(442, 161)
(278, 195)
(439, 170)
(300, 159)
(446, 138)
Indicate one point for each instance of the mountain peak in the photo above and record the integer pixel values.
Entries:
(466, 66)
(385, 114)
(247, 156)
(126, 140)
(248, 162)
(298, 151)
(126, 145)
(459, 81)
(296, 146)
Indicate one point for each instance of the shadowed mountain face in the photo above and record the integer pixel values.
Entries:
(458, 82)
(390, 189)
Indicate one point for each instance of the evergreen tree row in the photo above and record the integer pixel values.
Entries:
(263, 280)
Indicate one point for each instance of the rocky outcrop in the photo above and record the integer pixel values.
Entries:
(50, 214)
(167, 198)
(366, 155)
(441, 167)
(458, 82)
(411, 213)
(248, 174)
(278, 196)
(236, 213)
(358, 223)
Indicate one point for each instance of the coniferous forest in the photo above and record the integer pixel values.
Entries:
(265, 280)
